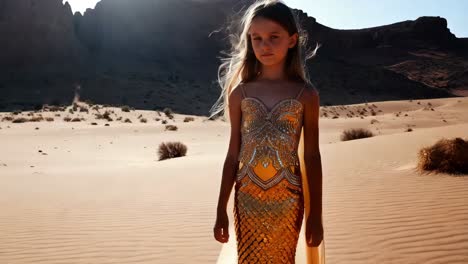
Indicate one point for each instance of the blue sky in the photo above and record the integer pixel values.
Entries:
(355, 14)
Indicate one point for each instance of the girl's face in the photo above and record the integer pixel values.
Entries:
(270, 41)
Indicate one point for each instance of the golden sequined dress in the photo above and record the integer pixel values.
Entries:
(268, 197)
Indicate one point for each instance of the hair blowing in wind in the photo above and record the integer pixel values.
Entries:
(240, 63)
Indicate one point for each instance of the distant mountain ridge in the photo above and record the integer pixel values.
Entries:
(154, 54)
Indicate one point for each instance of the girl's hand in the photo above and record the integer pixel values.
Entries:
(221, 227)
(314, 232)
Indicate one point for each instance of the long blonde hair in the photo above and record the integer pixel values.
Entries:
(241, 65)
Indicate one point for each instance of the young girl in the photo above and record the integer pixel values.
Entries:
(273, 157)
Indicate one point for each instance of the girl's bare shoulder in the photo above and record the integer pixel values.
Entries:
(235, 96)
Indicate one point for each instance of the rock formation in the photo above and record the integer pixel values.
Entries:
(154, 54)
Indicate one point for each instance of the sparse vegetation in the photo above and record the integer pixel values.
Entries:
(143, 120)
(188, 119)
(36, 119)
(171, 150)
(171, 127)
(168, 112)
(67, 119)
(125, 108)
(53, 108)
(20, 120)
(446, 156)
(127, 120)
(105, 116)
(75, 107)
(356, 133)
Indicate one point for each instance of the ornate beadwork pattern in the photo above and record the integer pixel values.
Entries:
(270, 136)
(283, 173)
(267, 222)
(268, 211)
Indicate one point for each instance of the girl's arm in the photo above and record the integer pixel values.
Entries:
(231, 163)
(312, 159)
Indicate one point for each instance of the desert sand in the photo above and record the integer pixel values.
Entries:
(72, 192)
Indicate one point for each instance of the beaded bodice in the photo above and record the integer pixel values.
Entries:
(270, 136)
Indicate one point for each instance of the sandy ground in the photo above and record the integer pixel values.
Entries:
(72, 192)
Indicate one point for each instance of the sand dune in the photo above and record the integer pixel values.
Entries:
(97, 194)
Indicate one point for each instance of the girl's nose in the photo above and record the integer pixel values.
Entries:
(265, 44)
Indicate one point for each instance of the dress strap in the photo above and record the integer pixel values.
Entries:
(243, 91)
(300, 92)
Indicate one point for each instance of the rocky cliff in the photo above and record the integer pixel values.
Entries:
(154, 54)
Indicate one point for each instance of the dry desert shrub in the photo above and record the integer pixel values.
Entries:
(49, 119)
(143, 120)
(75, 107)
(171, 127)
(127, 120)
(170, 150)
(168, 112)
(106, 116)
(67, 119)
(7, 118)
(188, 119)
(20, 120)
(356, 133)
(36, 119)
(52, 108)
(125, 108)
(446, 156)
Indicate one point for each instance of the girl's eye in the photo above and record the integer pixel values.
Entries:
(272, 37)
